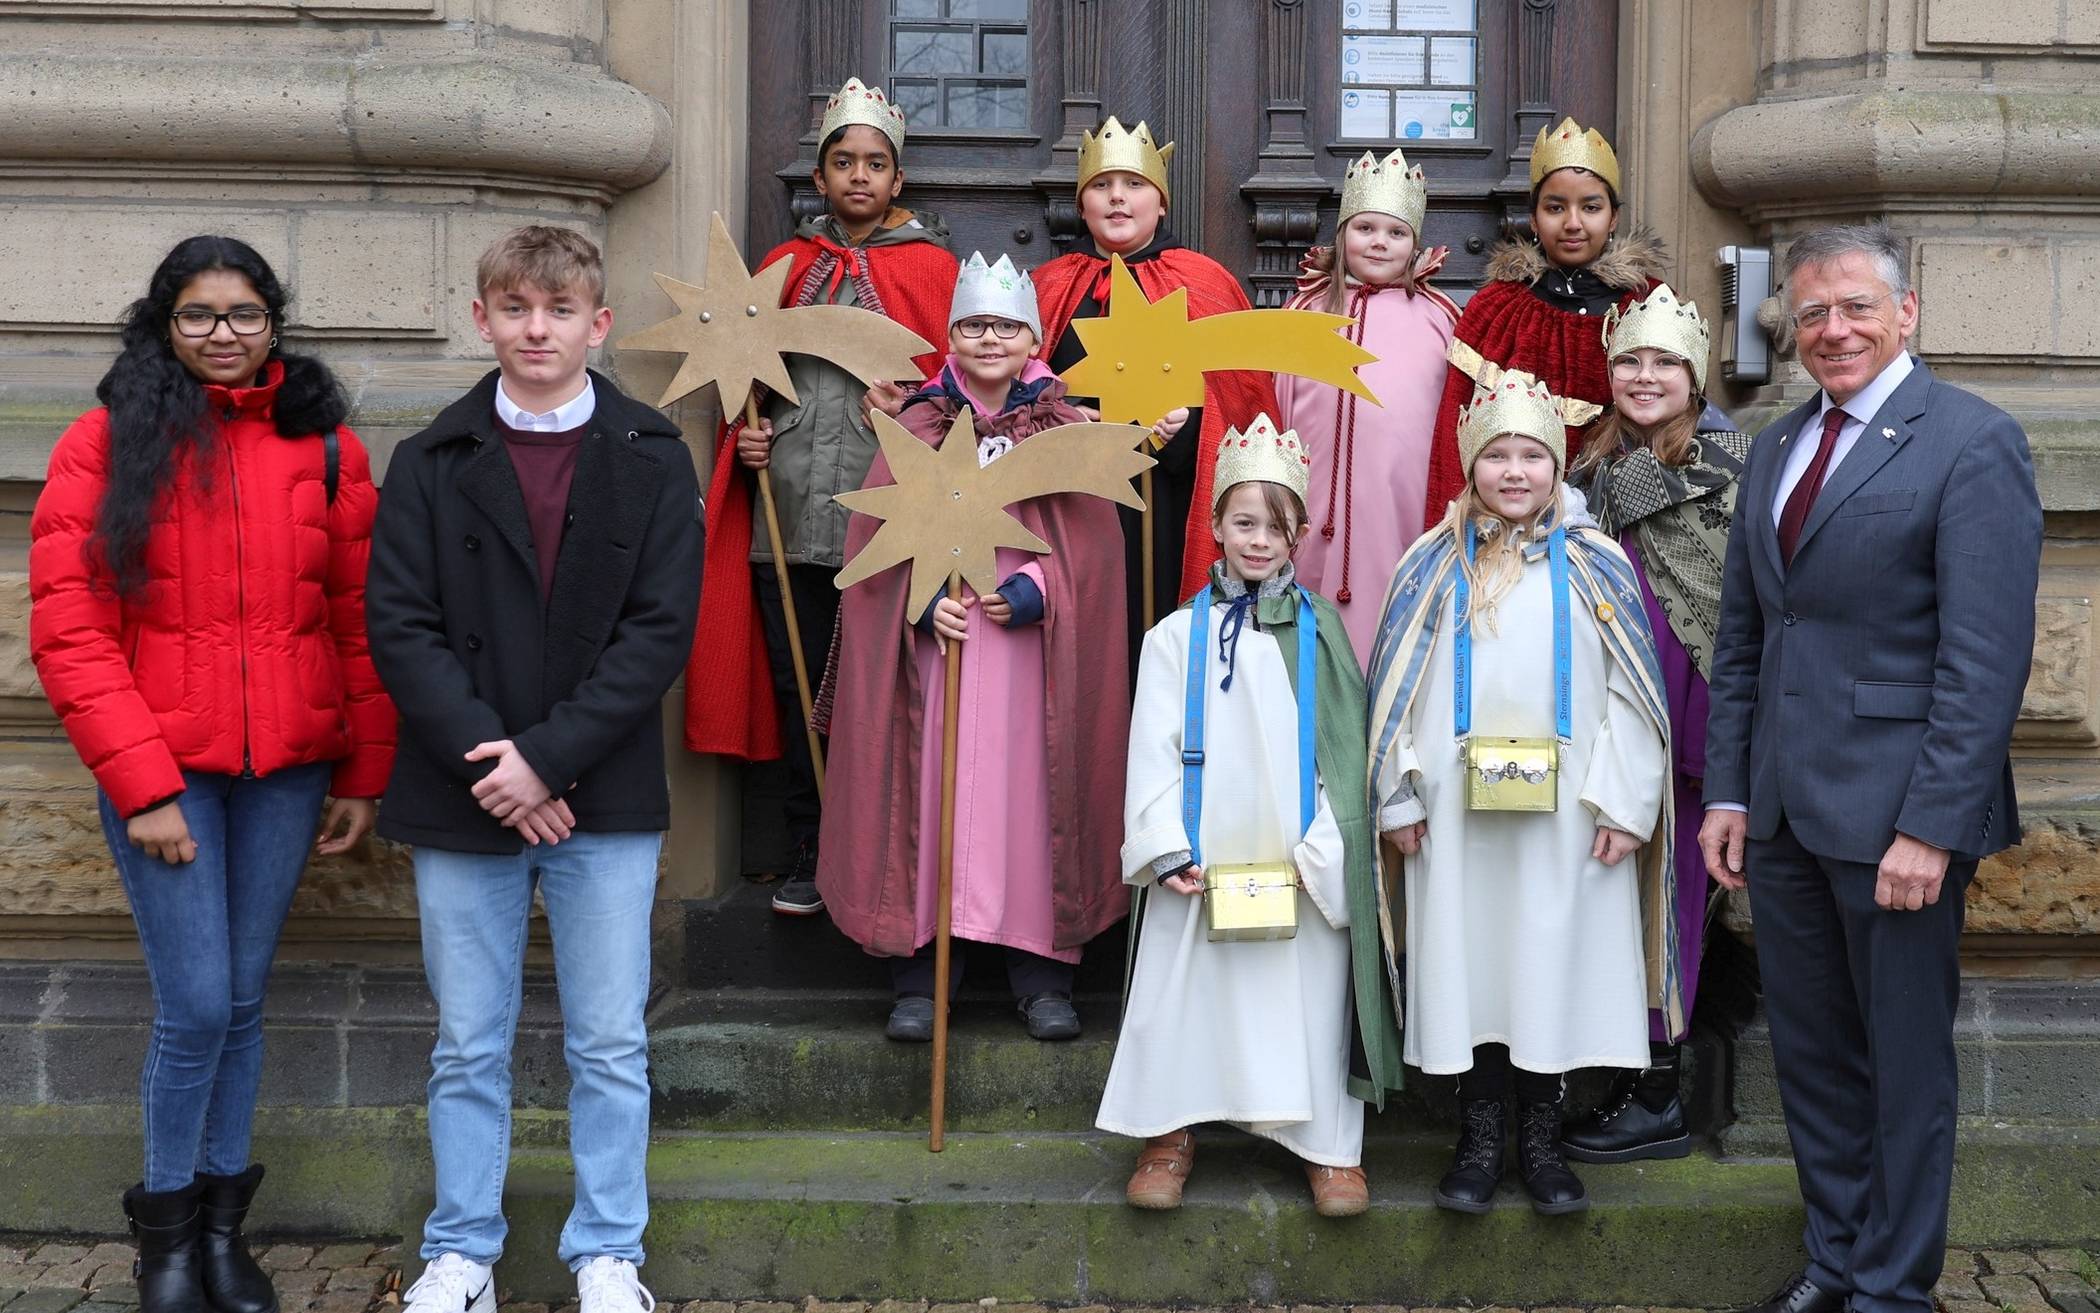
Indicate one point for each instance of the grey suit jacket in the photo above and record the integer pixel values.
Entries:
(1872, 687)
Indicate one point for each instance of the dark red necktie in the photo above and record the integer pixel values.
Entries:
(1803, 498)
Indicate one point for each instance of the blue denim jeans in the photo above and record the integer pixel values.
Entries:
(208, 930)
(598, 890)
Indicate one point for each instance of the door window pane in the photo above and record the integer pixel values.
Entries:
(1404, 75)
(961, 64)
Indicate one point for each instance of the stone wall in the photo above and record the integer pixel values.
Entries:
(369, 149)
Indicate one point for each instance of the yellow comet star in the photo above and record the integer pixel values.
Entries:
(1145, 358)
(947, 515)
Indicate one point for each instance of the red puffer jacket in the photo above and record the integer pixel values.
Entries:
(245, 650)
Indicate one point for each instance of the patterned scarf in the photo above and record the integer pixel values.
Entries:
(1679, 515)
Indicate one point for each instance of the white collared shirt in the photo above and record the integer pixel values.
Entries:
(1858, 411)
(571, 414)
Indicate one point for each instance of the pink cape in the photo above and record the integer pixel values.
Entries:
(1366, 495)
(1043, 730)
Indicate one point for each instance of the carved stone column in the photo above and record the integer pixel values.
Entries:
(1080, 43)
(1286, 190)
(1532, 40)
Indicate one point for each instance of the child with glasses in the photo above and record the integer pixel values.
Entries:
(1044, 709)
(1661, 469)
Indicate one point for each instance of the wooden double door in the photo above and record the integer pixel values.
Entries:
(1266, 100)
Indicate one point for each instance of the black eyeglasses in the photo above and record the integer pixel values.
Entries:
(247, 320)
(1002, 329)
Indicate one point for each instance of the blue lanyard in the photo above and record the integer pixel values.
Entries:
(1563, 644)
(1192, 722)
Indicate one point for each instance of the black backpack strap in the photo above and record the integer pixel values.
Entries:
(331, 463)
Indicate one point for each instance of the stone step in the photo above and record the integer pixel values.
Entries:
(1041, 1219)
(737, 940)
(747, 1060)
(2026, 1050)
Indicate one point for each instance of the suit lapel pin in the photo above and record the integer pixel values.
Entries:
(1890, 434)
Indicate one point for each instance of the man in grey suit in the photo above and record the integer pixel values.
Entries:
(1877, 623)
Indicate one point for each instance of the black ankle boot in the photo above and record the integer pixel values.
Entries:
(1643, 1118)
(233, 1282)
(168, 1272)
(1554, 1189)
(1469, 1187)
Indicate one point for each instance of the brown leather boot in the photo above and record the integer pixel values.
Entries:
(1162, 1169)
(1338, 1191)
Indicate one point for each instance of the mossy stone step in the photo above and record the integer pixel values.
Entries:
(1041, 1218)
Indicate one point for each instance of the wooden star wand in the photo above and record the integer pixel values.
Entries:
(945, 516)
(735, 334)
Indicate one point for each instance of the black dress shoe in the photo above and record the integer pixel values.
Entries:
(911, 1019)
(1553, 1188)
(1050, 1017)
(1469, 1187)
(1642, 1119)
(1800, 1295)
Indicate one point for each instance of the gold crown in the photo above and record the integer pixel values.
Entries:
(1385, 186)
(854, 103)
(1263, 455)
(1664, 323)
(1569, 147)
(1117, 149)
(1515, 402)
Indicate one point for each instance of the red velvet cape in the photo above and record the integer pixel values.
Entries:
(867, 863)
(729, 706)
(1508, 324)
(1231, 398)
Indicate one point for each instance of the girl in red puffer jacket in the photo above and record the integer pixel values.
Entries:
(196, 577)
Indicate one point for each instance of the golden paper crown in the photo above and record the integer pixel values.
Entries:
(1570, 147)
(1263, 455)
(1117, 149)
(854, 103)
(1664, 323)
(1515, 403)
(1385, 186)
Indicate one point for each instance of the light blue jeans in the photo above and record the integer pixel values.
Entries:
(208, 929)
(598, 889)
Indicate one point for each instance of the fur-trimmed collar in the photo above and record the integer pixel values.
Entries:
(1627, 263)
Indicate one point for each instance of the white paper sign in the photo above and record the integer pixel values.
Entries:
(1367, 15)
(1391, 59)
(1367, 113)
(1433, 15)
(1434, 115)
(1451, 61)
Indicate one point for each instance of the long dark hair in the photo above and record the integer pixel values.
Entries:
(157, 408)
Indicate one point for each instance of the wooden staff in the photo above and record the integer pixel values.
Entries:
(951, 710)
(787, 602)
(1151, 608)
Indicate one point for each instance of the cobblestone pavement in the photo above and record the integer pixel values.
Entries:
(39, 1275)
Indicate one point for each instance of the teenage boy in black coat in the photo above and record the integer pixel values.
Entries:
(535, 574)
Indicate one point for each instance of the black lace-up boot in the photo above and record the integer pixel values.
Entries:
(1643, 1118)
(1469, 1187)
(1554, 1189)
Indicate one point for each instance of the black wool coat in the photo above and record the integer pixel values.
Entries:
(469, 653)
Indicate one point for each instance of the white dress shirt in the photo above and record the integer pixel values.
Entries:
(570, 414)
(1862, 408)
(1858, 411)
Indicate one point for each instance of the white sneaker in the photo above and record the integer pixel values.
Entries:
(452, 1283)
(608, 1285)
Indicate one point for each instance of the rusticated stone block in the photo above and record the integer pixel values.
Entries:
(2058, 703)
(2048, 885)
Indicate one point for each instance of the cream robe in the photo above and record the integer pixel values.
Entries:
(1515, 933)
(1252, 1033)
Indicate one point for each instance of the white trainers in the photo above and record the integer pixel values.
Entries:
(452, 1283)
(609, 1285)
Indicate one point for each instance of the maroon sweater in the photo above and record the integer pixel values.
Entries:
(546, 464)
